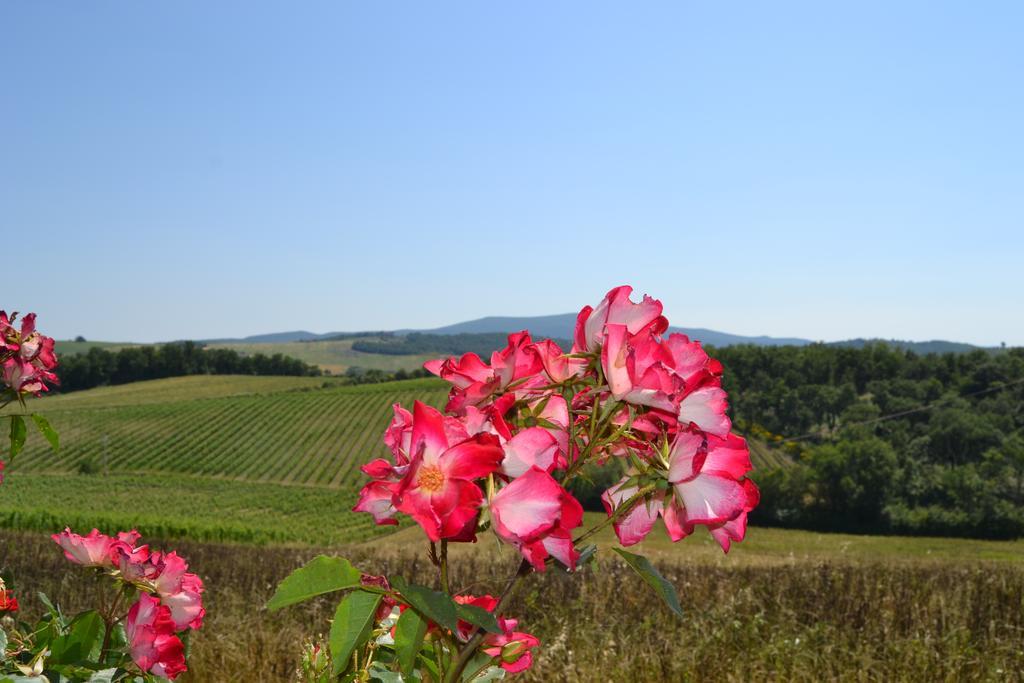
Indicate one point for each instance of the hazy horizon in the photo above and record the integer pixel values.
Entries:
(452, 322)
(793, 170)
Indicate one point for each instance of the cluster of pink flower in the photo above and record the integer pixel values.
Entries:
(517, 430)
(535, 412)
(26, 356)
(169, 599)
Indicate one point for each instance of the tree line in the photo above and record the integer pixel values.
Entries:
(99, 367)
(880, 439)
(886, 440)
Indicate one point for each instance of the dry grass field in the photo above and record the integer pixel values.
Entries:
(779, 608)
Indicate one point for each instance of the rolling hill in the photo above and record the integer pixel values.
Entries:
(255, 459)
(561, 327)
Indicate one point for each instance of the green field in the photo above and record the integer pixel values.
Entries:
(249, 459)
(183, 506)
(177, 389)
(253, 459)
(333, 356)
(265, 429)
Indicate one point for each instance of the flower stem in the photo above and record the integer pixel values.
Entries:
(106, 639)
(476, 635)
(444, 566)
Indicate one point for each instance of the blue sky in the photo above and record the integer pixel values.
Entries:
(823, 170)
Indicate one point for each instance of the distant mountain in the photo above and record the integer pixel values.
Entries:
(561, 326)
(273, 338)
(714, 338)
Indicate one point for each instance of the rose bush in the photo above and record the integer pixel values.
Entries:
(515, 433)
(147, 604)
(148, 601)
(27, 363)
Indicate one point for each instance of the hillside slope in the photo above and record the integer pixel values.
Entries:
(254, 459)
(249, 428)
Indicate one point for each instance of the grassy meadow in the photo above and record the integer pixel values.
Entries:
(249, 477)
(185, 506)
(768, 611)
(764, 546)
(334, 356)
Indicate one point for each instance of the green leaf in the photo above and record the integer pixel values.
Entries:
(587, 554)
(54, 612)
(478, 662)
(495, 673)
(353, 621)
(105, 676)
(3, 643)
(428, 665)
(642, 566)
(409, 633)
(478, 617)
(18, 434)
(321, 575)
(68, 672)
(43, 425)
(81, 643)
(438, 607)
(380, 674)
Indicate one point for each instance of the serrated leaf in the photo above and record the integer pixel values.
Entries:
(353, 622)
(82, 641)
(438, 607)
(642, 566)
(478, 617)
(18, 434)
(321, 575)
(48, 432)
(409, 633)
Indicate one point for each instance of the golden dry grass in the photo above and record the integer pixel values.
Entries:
(855, 619)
